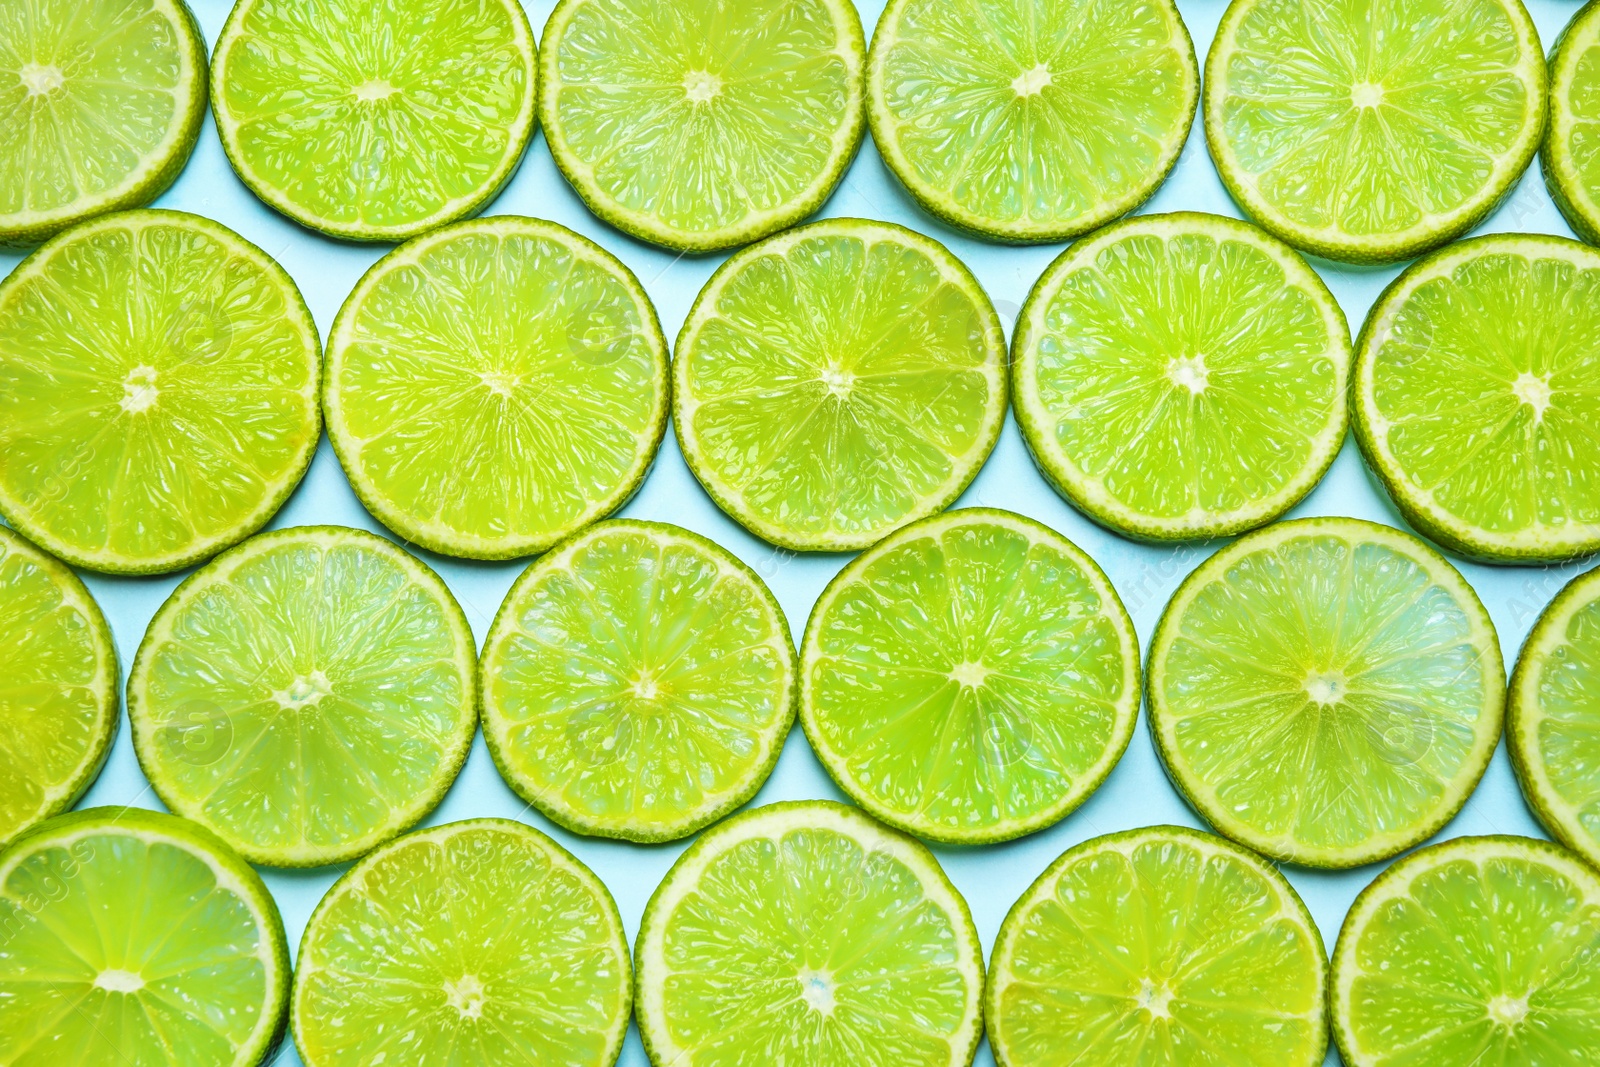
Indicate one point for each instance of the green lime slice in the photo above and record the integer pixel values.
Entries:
(306, 696)
(496, 386)
(1571, 157)
(971, 678)
(1553, 717)
(158, 392)
(100, 106)
(837, 382)
(1326, 691)
(58, 687)
(638, 682)
(808, 934)
(1475, 397)
(375, 121)
(1031, 120)
(1159, 947)
(1482, 950)
(477, 943)
(1182, 377)
(702, 124)
(132, 937)
(1370, 131)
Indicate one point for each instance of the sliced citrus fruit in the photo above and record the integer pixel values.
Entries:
(971, 678)
(159, 398)
(703, 124)
(1371, 131)
(638, 682)
(496, 386)
(375, 121)
(1326, 691)
(1475, 397)
(132, 937)
(306, 696)
(1031, 120)
(1480, 950)
(480, 942)
(1181, 377)
(807, 933)
(837, 382)
(1571, 156)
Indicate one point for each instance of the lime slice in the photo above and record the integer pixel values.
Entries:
(306, 696)
(1482, 950)
(703, 124)
(808, 934)
(1159, 947)
(132, 937)
(1475, 399)
(375, 121)
(100, 105)
(970, 679)
(1327, 691)
(1182, 377)
(478, 943)
(837, 382)
(158, 392)
(1370, 131)
(58, 687)
(1571, 158)
(496, 386)
(638, 683)
(1031, 120)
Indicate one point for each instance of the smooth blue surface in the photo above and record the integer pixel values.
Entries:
(1137, 793)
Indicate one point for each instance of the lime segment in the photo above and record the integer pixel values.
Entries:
(1571, 157)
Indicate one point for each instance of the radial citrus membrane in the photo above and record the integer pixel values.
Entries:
(1571, 156)
(1182, 376)
(495, 386)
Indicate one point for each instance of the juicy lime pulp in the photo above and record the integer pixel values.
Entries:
(1182, 376)
(638, 682)
(375, 121)
(525, 962)
(1571, 158)
(1326, 691)
(58, 687)
(306, 696)
(971, 678)
(132, 937)
(1031, 120)
(837, 382)
(1475, 397)
(1160, 947)
(496, 386)
(703, 124)
(1396, 127)
(807, 933)
(158, 392)
(1477, 951)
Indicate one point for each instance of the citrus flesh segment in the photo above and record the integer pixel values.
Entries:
(480, 942)
(808, 933)
(1031, 120)
(158, 392)
(1182, 376)
(496, 386)
(837, 382)
(1478, 950)
(1160, 947)
(1571, 156)
(1396, 127)
(1326, 691)
(701, 124)
(1475, 401)
(971, 678)
(100, 105)
(136, 938)
(375, 121)
(638, 682)
(306, 696)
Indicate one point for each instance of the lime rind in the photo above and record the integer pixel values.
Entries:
(1578, 202)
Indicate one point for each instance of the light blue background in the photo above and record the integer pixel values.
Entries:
(1137, 793)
